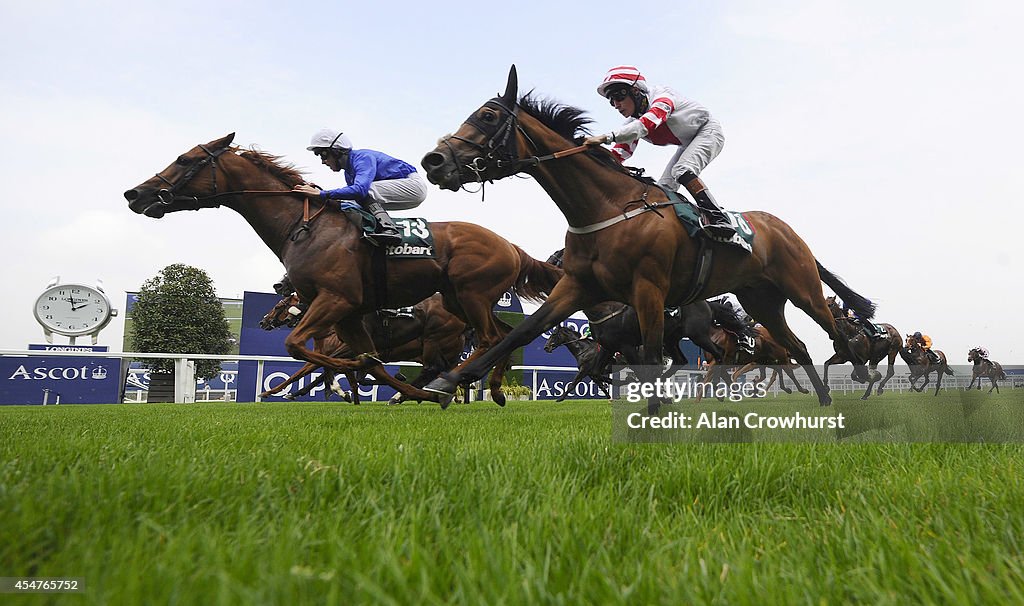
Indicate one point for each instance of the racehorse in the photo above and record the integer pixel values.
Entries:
(333, 270)
(615, 326)
(867, 348)
(430, 335)
(767, 353)
(921, 365)
(592, 360)
(983, 367)
(624, 244)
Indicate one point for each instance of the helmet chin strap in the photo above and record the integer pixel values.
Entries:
(640, 103)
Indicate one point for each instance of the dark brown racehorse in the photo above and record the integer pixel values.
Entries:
(983, 367)
(615, 326)
(921, 365)
(431, 335)
(592, 360)
(871, 350)
(622, 246)
(767, 353)
(330, 265)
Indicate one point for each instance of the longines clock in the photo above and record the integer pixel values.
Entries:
(73, 310)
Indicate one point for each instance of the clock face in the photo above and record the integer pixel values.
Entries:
(72, 309)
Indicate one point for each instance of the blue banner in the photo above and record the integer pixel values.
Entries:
(60, 379)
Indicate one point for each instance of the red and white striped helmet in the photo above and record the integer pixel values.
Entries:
(622, 74)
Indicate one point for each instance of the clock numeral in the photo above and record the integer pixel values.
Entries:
(48, 317)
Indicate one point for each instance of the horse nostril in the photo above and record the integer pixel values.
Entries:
(433, 160)
(131, 195)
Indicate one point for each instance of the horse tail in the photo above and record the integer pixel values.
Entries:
(730, 319)
(536, 278)
(858, 303)
(949, 371)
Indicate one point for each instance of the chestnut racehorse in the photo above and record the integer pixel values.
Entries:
(624, 244)
(431, 335)
(871, 350)
(333, 269)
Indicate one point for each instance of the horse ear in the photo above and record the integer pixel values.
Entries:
(512, 87)
(223, 141)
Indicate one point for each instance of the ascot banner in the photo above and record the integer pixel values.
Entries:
(60, 379)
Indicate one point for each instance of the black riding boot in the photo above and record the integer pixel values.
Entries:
(386, 233)
(718, 225)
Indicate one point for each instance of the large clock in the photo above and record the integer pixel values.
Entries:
(73, 310)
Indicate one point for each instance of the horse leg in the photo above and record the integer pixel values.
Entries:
(766, 304)
(306, 369)
(835, 359)
(567, 297)
(353, 333)
(648, 299)
(572, 384)
(788, 369)
(889, 372)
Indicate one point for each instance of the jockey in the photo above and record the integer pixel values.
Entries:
(982, 352)
(926, 345)
(375, 180)
(866, 325)
(664, 117)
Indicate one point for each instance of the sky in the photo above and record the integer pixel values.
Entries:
(887, 134)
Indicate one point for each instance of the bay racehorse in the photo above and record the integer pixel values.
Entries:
(332, 268)
(592, 360)
(983, 367)
(428, 334)
(921, 365)
(870, 349)
(624, 244)
(767, 353)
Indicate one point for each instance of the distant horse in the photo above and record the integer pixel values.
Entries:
(616, 327)
(983, 367)
(624, 242)
(767, 353)
(592, 360)
(333, 269)
(871, 350)
(431, 335)
(921, 365)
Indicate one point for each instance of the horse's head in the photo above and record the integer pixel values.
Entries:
(484, 148)
(183, 184)
(285, 313)
(912, 343)
(560, 336)
(833, 306)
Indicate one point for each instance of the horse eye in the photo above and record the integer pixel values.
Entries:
(182, 160)
(490, 117)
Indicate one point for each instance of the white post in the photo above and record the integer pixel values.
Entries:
(184, 380)
(259, 380)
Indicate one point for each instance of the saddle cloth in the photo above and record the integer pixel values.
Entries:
(689, 214)
(417, 239)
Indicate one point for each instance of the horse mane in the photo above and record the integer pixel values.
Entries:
(569, 122)
(274, 165)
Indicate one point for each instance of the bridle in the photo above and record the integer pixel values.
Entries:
(500, 152)
(169, 195)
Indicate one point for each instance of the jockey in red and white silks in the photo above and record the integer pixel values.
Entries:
(662, 116)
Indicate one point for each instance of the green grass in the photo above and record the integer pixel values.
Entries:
(329, 503)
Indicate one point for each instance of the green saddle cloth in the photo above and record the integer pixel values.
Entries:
(689, 215)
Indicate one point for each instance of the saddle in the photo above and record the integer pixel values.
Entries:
(692, 218)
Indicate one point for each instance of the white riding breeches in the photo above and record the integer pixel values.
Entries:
(694, 157)
(399, 194)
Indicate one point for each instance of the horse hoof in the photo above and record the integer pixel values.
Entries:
(825, 400)
(394, 401)
(288, 396)
(399, 376)
(498, 397)
(444, 389)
